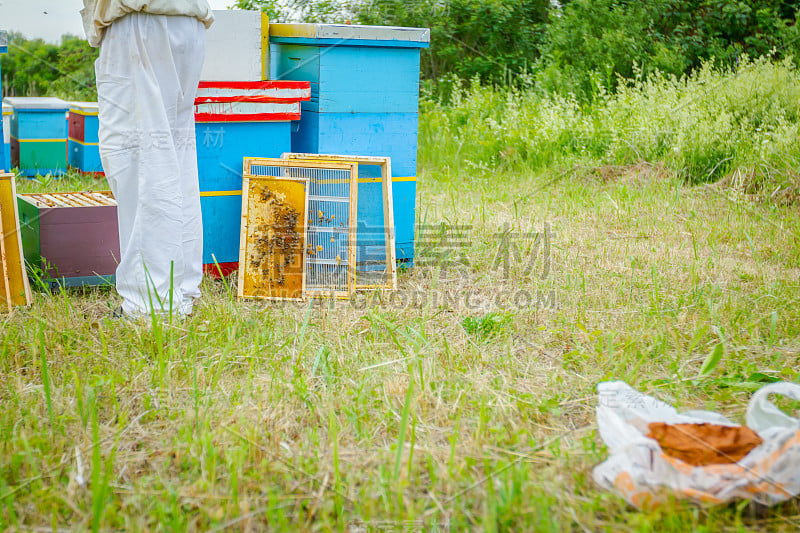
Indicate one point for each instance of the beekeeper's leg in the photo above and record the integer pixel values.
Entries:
(187, 160)
(140, 89)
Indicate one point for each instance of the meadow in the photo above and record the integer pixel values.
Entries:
(560, 244)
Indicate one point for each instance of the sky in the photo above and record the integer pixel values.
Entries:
(50, 19)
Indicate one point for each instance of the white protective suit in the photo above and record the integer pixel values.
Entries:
(100, 14)
(147, 77)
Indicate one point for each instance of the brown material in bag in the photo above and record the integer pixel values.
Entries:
(704, 444)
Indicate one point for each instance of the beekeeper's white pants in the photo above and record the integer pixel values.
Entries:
(147, 77)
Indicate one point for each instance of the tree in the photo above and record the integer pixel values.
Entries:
(36, 68)
(598, 41)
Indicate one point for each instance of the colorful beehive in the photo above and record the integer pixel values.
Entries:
(83, 140)
(364, 101)
(235, 120)
(39, 135)
(70, 239)
(5, 156)
(6, 126)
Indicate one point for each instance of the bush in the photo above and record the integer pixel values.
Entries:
(591, 42)
(36, 68)
(700, 126)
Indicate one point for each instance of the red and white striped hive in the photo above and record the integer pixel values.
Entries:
(250, 101)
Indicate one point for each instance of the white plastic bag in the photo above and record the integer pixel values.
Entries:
(644, 475)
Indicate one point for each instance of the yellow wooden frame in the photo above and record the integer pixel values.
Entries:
(240, 288)
(388, 206)
(16, 286)
(352, 168)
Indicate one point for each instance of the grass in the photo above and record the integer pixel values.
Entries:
(464, 401)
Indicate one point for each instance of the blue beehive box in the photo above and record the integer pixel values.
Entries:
(364, 101)
(5, 124)
(83, 140)
(235, 120)
(39, 135)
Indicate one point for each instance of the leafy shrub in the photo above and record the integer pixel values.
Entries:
(700, 126)
(36, 68)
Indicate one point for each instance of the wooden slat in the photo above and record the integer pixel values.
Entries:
(388, 222)
(102, 198)
(78, 200)
(243, 232)
(55, 201)
(377, 160)
(280, 162)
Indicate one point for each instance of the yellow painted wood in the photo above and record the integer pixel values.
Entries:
(38, 140)
(5, 285)
(84, 113)
(220, 193)
(353, 227)
(264, 46)
(378, 180)
(83, 142)
(12, 241)
(294, 30)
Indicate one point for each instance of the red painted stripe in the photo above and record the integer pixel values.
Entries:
(226, 268)
(270, 84)
(254, 99)
(96, 175)
(253, 117)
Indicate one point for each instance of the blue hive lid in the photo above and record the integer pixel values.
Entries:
(37, 103)
(350, 35)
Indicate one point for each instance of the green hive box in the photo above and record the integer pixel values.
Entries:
(69, 239)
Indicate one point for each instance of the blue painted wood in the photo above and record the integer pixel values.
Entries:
(91, 128)
(222, 146)
(83, 157)
(364, 101)
(352, 78)
(374, 134)
(85, 281)
(74, 154)
(405, 203)
(222, 219)
(39, 124)
(5, 153)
